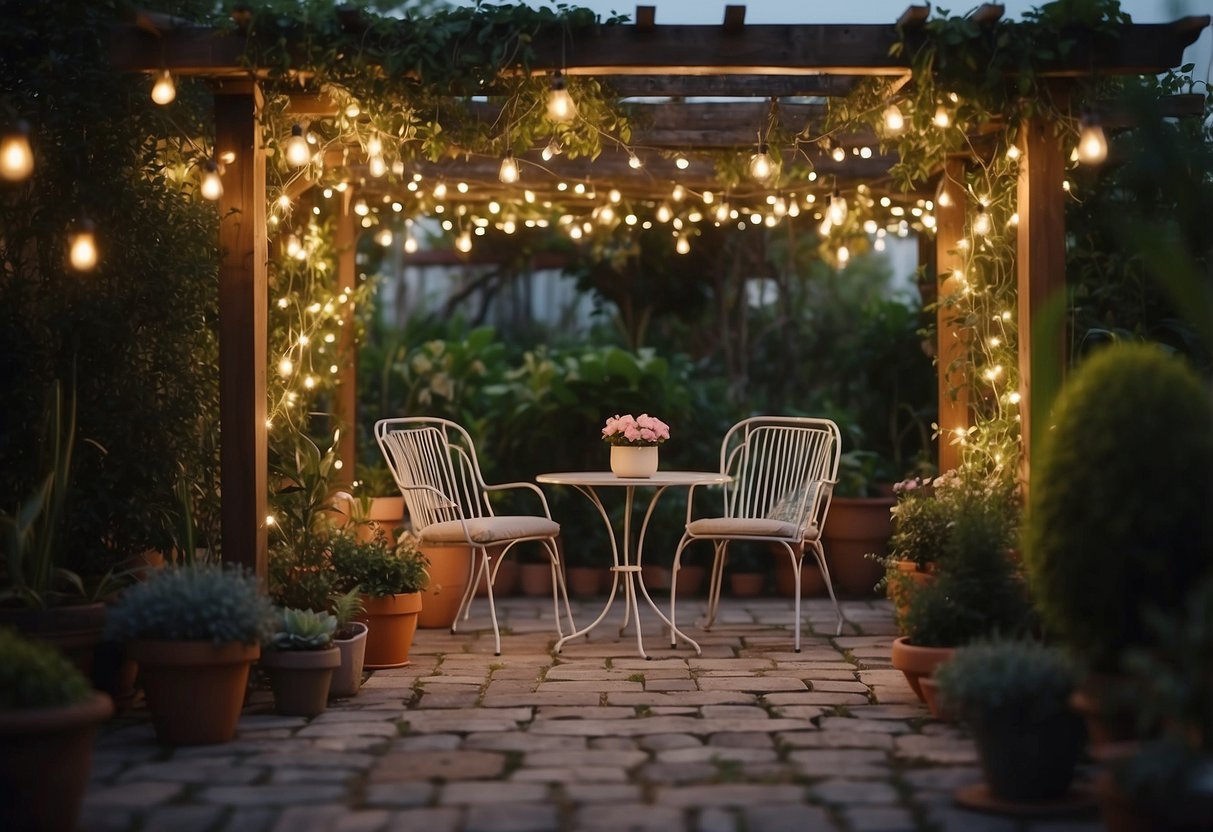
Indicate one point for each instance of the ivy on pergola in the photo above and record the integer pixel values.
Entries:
(451, 94)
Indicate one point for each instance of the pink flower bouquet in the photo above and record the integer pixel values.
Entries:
(639, 432)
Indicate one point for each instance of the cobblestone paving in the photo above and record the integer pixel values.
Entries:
(749, 737)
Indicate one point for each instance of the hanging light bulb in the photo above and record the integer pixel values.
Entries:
(780, 207)
(82, 246)
(361, 208)
(293, 248)
(561, 107)
(298, 153)
(839, 153)
(384, 237)
(837, 211)
(553, 149)
(614, 195)
(410, 243)
(374, 146)
(212, 184)
(844, 255)
(164, 89)
(508, 172)
(1013, 152)
(678, 194)
(464, 242)
(722, 211)
(634, 161)
(942, 117)
(761, 166)
(683, 246)
(16, 156)
(894, 122)
(664, 214)
(377, 166)
(440, 190)
(708, 196)
(682, 162)
(1092, 143)
(981, 222)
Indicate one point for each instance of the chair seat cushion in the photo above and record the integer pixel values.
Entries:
(747, 527)
(490, 529)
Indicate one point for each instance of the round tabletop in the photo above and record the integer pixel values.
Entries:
(606, 478)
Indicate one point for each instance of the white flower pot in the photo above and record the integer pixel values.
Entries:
(632, 461)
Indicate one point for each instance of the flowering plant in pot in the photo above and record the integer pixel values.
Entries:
(634, 442)
(194, 630)
(1014, 697)
(49, 716)
(391, 579)
(300, 659)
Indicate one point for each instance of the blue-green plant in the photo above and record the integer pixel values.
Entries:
(303, 630)
(35, 675)
(1009, 681)
(215, 603)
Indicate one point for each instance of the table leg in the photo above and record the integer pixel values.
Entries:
(615, 569)
(674, 631)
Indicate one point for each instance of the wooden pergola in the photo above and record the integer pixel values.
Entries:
(797, 65)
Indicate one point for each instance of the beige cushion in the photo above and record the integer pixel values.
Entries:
(490, 529)
(746, 527)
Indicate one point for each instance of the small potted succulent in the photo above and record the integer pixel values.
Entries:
(350, 640)
(300, 660)
(48, 718)
(194, 630)
(391, 579)
(1013, 695)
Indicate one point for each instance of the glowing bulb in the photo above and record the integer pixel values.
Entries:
(561, 106)
(614, 195)
(164, 90)
(374, 146)
(361, 208)
(682, 162)
(508, 172)
(844, 254)
(82, 246)
(708, 196)
(410, 244)
(981, 222)
(16, 156)
(894, 122)
(1092, 144)
(761, 166)
(945, 199)
(462, 187)
(384, 237)
(942, 117)
(439, 190)
(722, 212)
(1014, 397)
(780, 207)
(464, 242)
(298, 153)
(664, 213)
(1013, 152)
(634, 161)
(678, 194)
(212, 184)
(286, 367)
(837, 211)
(554, 148)
(377, 166)
(683, 246)
(838, 154)
(292, 246)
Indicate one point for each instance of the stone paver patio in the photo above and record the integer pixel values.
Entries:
(750, 737)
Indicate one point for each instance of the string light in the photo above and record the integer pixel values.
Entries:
(164, 89)
(614, 195)
(553, 149)
(683, 246)
(681, 162)
(464, 242)
(1013, 152)
(82, 246)
(634, 161)
(942, 117)
(761, 166)
(981, 222)
(298, 153)
(837, 211)
(377, 166)
(678, 194)
(361, 208)
(844, 255)
(838, 153)
(561, 107)
(508, 172)
(212, 183)
(1092, 143)
(16, 155)
(894, 122)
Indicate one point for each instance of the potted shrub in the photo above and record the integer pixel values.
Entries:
(300, 661)
(391, 579)
(920, 518)
(1013, 695)
(1119, 518)
(48, 718)
(350, 640)
(194, 630)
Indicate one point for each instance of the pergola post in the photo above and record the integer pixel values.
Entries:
(1041, 276)
(345, 397)
(951, 347)
(242, 327)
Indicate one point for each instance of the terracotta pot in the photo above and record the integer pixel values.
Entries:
(72, 629)
(535, 579)
(114, 673)
(854, 527)
(904, 579)
(1105, 701)
(690, 579)
(386, 514)
(194, 689)
(392, 621)
(917, 662)
(930, 697)
(656, 577)
(301, 678)
(812, 584)
(1029, 762)
(585, 581)
(746, 584)
(507, 576)
(629, 461)
(45, 758)
(347, 678)
(450, 570)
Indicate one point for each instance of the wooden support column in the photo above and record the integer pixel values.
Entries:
(1041, 277)
(345, 397)
(242, 327)
(951, 347)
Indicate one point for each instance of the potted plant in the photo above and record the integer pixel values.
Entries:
(350, 640)
(300, 661)
(194, 630)
(634, 442)
(48, 718)
(920, 518)
(1013, 695)
(745, 571)
(391, 579)
(858, 523)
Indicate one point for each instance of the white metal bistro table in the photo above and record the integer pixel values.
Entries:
(623, 564)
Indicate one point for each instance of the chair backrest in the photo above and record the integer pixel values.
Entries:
(777, 464)
(434, 464)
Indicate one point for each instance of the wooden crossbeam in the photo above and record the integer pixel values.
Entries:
(738, 86)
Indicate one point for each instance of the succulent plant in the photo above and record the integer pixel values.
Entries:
(193, 603)
(35, 675)
(304, 630)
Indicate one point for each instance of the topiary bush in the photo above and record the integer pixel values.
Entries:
(1120, 513)
(193, 603)
(34, 675)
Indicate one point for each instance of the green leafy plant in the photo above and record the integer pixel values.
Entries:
(377, 568)
(1020, 682)
(346, 607)
(304, 630)
(193, 603)
(35, 675)
(1118, 515)
(301, 575)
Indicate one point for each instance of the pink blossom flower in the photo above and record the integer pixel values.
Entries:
(641, 431)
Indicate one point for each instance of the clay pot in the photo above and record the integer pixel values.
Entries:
(45, 758)
(812, 583)
(392, 621)
(585, 581)
(72, 629)
(507, 575)
(386, 514)
(854, 527)
(930, 697)
(916, 662)
(450, 570)
(746, 584)
(656, 577)
(347, 678)
(690, 579)
(194, 689)
(301, 679)
(904, 579)
(535, 579)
